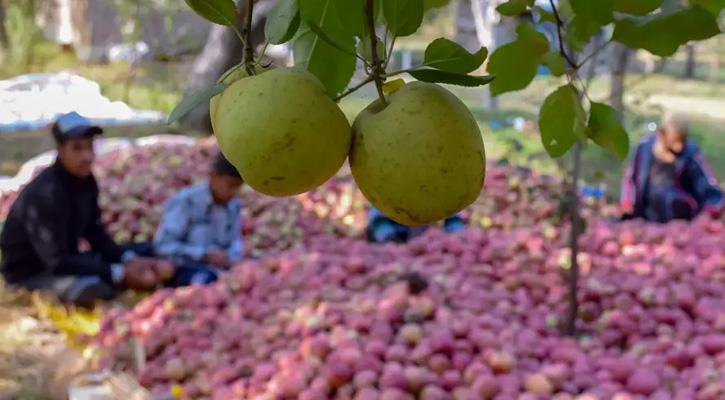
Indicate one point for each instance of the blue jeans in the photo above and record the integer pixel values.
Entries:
(85, 291)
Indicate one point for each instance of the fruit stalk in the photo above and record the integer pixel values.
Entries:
(559, 27)
(376, 68)
(248, 49)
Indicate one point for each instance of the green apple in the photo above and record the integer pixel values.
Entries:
(282, 131)
(421, 158)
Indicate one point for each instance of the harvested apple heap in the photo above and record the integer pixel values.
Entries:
(341, 319)
(132, 204)
(416, 153)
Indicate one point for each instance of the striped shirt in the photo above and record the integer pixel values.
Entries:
(193, 225)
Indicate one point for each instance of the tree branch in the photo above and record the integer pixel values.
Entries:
(570, 326)
(559, 27)
(376, 67)
(594, 53)
(354, 88)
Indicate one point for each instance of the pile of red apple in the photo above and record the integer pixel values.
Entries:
(136, 181)
(341, 319)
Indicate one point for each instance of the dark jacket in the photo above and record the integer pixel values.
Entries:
(45, 223)
(694, 182)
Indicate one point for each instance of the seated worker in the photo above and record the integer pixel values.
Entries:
(58, 208)
(202, 226)
(668, 178)
(381, 229)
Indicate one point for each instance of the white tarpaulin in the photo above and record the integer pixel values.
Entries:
(102, 146)
(35, 100)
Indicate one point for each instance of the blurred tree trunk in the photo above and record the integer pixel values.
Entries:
(222, 51)
(654, 64)
(479, 24)
(3, 33)
(716, 60)
(690, 61)
(620, 61)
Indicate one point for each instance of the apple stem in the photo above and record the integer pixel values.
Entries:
(248, 48)
(376, 69)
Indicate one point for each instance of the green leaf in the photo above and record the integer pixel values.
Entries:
(545, 16)
(335, 17)
(636, 7)
(451, 78)
(331, 66)
(663, 34)
(573, 42)
(352, 14)
(561, 120)
(393, 86)
(190, 102)
(581, 30)
(403, 17)
(283, 21)
(513, 8)
(430, 4)
(606, 131)
(555, 62)
(528, 34)
(335, 64)
(714, 6)
(363, 48)
(515, 64)
(565, 10)
(319, 32)
(597, 10)
(447, 55)
(221, 12)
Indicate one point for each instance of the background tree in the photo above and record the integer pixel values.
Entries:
(3, 33)
(620, 61)
(221, 52)
(690, 62)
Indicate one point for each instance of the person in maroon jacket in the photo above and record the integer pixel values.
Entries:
(40, 238)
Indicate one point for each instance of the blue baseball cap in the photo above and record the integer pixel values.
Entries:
(74, 126)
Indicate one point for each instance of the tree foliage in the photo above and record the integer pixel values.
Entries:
(638, 24)
(330, 37)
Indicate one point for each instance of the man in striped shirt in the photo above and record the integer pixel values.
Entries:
(669, 179)
(201, 229)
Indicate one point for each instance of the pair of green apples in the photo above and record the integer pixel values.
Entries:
(419, 158)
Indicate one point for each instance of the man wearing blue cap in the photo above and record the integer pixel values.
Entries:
(39, 242)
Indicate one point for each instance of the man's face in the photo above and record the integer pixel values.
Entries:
(224, 187)
(77, 156)
(673, 140)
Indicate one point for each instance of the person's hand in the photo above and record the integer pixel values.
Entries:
(218, 258)
(164, 269)
(140, 274)
(626, 209)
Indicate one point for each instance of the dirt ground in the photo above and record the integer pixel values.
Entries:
(36, 363)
